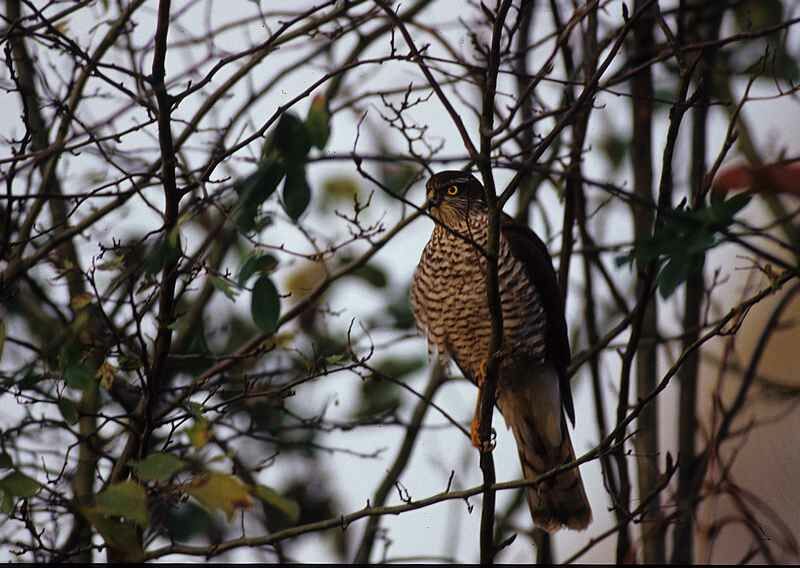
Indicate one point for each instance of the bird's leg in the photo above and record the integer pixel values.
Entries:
(475, 426)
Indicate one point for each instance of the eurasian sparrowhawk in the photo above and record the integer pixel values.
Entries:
(450, 303)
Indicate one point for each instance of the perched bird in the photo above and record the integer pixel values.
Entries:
(450, 304)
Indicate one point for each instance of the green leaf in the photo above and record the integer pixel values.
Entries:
(158, 467)
(623, 259)
(265, 305)
(70, 354)
(291, 139)
(224, 286)
(6, 503)
(78, 376)
(676, 271)
(372, 275)
(377, 396)
(758, 14)
(255, 189)
(397, 367)
(219, 491)
(69, 410)
(127, 499)
(336, 359)
(398, 177)
(5, 461)
(616, 148)
(318, 123)
(18, 484)
(119, 536)
(166, 251)
(129, 362)
(198, 432)
(30, 380)
(116, 263)
(261, 184)
(187, 520)
(400, 312)
(786, 65)
(736, 204)
(256, 262)
(288, 507)
(296, 192)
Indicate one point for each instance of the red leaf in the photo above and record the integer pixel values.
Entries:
(770, 178)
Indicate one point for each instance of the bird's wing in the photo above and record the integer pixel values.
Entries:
(529, 248)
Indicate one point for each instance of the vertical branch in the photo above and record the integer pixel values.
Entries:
(589, 258)
(574, 182)
(683, 539)
(143, 419)
(623, 497)
(527, 188)
(646, 440)
(80, 537)
(526, 194)
(169, 273)
(487, 391)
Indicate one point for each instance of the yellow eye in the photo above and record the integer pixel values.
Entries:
(452, 190)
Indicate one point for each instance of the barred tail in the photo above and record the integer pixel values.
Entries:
(531, 407)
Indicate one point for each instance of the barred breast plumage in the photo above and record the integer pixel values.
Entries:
(448, 297)
(450, 303)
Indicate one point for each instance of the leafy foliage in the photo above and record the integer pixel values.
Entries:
(78, 371)
(379, 394)
(18, 484)
(256, 263)
(296, 192)
(318, 123)
(126, 499)
(680, 243)
(220, 492)
(166, 251)
(199, 432)
(158, 467)
(288, 507)
(121, 537)
(69, 410)
(283, 157)
(265, 304)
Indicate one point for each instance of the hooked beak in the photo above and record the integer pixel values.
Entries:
(431, 200)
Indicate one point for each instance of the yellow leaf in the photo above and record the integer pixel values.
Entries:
(105, 374)
(220, 492)
(302, 281)
(62, 27)
(198, 432)
(81, 301)
(280, 340)
(112, 264)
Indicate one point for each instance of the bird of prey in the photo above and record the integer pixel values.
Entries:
(450, 304)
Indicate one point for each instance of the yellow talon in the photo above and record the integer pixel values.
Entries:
(482, 371)
(474, 434)
(474, 430)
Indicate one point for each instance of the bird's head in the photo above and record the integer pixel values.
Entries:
(454, 195)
